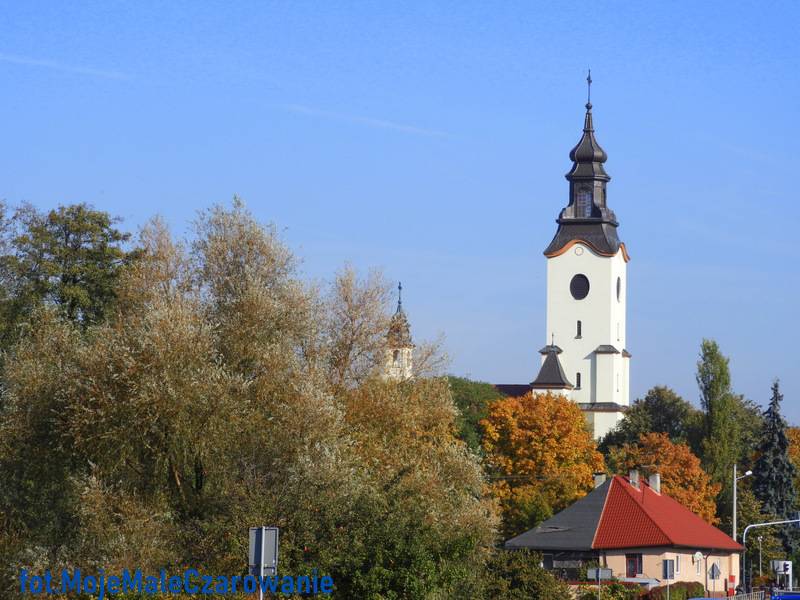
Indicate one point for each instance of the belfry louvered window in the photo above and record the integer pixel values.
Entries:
(584, 203)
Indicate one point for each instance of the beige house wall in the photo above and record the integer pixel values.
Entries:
(686, 569)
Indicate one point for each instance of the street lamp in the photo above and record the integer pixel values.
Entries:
(735, 481)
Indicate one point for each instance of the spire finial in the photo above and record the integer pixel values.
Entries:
(552, 339)
(399, 296)
(589, 90)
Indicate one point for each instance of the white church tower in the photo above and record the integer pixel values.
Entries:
(586, 357)
(398, 362)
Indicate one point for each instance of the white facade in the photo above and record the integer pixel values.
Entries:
(398, 364)
(591, 330)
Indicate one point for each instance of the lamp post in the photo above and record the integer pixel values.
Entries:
(735, 481)
(759, 556)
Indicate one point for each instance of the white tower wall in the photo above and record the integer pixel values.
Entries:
(603, 375)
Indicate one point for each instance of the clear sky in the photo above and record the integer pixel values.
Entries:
(430, 139)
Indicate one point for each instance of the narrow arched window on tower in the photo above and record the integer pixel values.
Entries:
(584, 208)
(577, 381)
(396, 356)
(578, 334)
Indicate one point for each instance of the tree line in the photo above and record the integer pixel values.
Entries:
(158, 396)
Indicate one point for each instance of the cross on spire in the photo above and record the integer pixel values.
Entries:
(399, 296)
(589, 90)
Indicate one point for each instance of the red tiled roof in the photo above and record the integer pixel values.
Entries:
(634, 517)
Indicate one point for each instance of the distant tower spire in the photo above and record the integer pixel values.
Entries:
(398, 365)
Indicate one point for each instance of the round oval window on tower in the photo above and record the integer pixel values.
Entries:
(579, 287)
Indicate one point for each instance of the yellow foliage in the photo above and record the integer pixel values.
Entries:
(682, 477)
(540, 456)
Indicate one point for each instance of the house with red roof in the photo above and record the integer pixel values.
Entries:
(629, 526)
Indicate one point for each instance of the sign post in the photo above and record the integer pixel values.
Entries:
(713, 573)
(263, 554)
(599, 574)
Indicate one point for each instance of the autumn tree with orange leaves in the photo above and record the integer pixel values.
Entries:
(682, 477)
(540, 457)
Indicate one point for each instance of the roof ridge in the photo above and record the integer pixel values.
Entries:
(602, 512)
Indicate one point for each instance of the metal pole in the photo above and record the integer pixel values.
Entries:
(598, 581)
(734, 502)
(759, 556)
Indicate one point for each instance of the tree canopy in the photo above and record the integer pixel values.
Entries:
(540, 457)
(660, 411)
(213, 393)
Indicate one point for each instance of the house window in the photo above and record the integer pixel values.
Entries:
(579, 330)
(697, 567)
(577, 381)
(633, 565)
(677, 563)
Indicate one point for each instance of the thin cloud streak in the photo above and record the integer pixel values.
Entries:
(57, 66)
(361, 120)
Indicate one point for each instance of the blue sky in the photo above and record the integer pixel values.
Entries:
(430, 139)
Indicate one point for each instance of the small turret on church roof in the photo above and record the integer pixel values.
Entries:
(399, 335)
(551, 375)
(586, 217)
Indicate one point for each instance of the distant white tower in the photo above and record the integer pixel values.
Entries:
(586, 358)
(398, 364)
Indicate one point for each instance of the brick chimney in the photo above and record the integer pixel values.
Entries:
(633, 477)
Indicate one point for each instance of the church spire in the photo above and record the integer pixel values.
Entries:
(587, 217)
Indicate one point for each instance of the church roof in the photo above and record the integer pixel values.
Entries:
(618, 515)
(551, 375)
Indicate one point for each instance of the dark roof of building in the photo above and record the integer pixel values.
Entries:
(514, 390)
(599, 236)
(571, 529)
(606, 349)
(629, 517)
(551, 375)
(602, 407)
(626, 354)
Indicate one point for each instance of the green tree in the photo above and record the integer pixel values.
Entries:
(472, 398)
(70, 257)
(730, 423)
(774, 472)
(517, 575)
(660, 411)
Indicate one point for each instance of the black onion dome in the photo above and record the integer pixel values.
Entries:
(588, 156)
